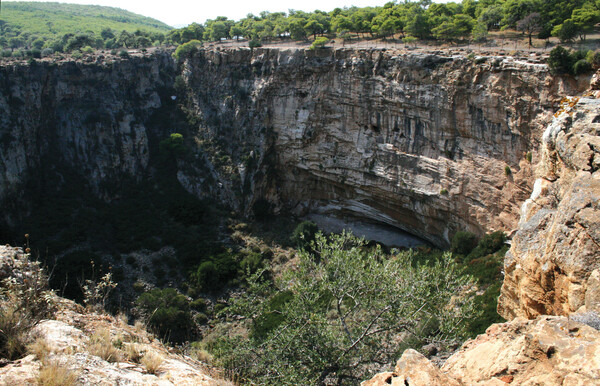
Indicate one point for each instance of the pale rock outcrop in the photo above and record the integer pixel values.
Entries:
(550, 350)
(552, 265)
(68, 341)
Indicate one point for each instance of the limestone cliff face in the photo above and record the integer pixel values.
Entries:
(557, 246)
(420, 142)
(90, 117)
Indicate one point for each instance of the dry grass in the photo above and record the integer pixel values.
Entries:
(201, 355)
(102, 346)
(39, 348)
(14, 329)
(133, 352)
(54, 374)
(152, 362)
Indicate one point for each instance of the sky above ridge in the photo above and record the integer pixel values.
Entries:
(180, 13)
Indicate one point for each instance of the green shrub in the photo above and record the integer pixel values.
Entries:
(490, 243)
(594, 58)
(581, 67)
(187, 49)
(198, 304)
(201, 318)
(325, 309)
(214, 274)
(463, 243)
(124, 54)
(444, 192)
(76, 54)
(172, 146)
(319, 42)
(168, 313)
(560, 61)
(529, 157)
(254, 44)
(507, 170)
(487, 303)
(47, 52)
(252, 262)
(272, 317)
(304, 233)
(6, 54)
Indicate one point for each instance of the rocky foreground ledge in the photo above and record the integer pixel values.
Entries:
(550, 350)
(87, 347)
(551, 290)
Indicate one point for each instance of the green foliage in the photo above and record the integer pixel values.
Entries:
(216, 272)
(254, 44)
(187, 49)
(167, 312)
(331, 317)
(507, 170)
(566, 31)
(529, 157)
(319, 42)
(560, 60)
(173, 146)
(304, 234)
(463, 242)
(490, 243)
(71, 27)
(581, 66)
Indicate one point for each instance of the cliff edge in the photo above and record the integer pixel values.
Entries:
(551, 289)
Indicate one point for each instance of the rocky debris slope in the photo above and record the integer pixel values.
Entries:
(96, 349)
(550, 350)
(553, 265)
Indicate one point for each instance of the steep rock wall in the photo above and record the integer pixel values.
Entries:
(548, 270)
(89, 117)
(420, 142)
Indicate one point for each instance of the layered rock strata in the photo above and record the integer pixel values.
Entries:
(428, 143)
(431, 144)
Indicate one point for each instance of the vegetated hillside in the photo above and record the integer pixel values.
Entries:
(56, 19)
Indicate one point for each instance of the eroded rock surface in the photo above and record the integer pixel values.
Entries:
(551, 268)
(549, 350)
(416, 141)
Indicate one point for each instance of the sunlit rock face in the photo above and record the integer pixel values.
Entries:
(553, 265)
(421, 142)
(431, 144)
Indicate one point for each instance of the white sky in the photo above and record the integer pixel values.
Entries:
(184, 12)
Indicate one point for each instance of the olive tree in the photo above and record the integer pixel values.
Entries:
(343, 308)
